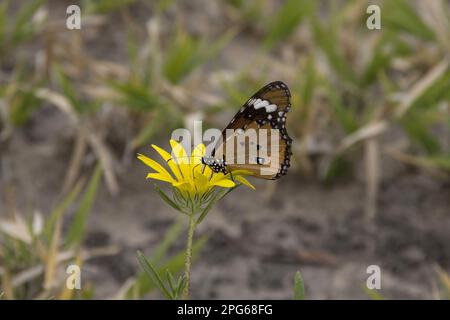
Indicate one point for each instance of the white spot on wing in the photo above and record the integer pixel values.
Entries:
(260, 104)
(271, 108)
(239, 131)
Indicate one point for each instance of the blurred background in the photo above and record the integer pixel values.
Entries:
(370, 176)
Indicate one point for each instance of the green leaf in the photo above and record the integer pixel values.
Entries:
(307, 89)
(78, 225)
(345, 115)
(3, 21)
(106, 6)
(187, 53)
(373, 294)
(167, 199)
(438, 91)
(284, 22)
(158, 124)
(326, 37)
(380, 61)
(415, 126)
(144, 284)
(136, 95)
(439, 161)
(399, 15)
(163, 5)
(181, 285)
(212, 202)
(153, 274)
(444, 281)
(23, 28)
(171, 282)
(22, 104)
(299, 288)
(182, 57)
(175, 286)
(337, 167)
(60, 210)
(69, 91)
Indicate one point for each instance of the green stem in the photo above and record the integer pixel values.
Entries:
(188, 257)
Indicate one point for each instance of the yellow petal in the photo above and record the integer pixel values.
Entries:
(181, 184)
(197, 154)
(244, 181)
(207, 171)
(155, 166)
(224, 183)
(217, 177)
(168, 158)
(182, 159)
(179, 152)
(242, 173)
(201, 182)
(159, 176)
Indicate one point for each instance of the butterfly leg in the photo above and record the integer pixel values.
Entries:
(194, 168)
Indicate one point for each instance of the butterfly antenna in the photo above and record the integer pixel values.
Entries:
(172, 159)
(204, 165)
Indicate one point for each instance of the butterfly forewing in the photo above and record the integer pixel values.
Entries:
(264, 114)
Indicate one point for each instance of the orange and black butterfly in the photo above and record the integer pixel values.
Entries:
(265, 112)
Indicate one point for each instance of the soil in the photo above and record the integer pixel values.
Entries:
(257, 239)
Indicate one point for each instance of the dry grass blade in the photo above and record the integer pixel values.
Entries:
(413, 161)
(64, 256)
(106, 159)
(16, 229)
(372, 159)
(443, 289)
(7, 286)
(51, 263)
(420, 87)
(59, 101)
(79, 152)
(434, 13)
(370, 130)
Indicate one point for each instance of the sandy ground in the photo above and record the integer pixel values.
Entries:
(257, 239)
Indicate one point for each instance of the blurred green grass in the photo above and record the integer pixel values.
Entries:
(34, 252)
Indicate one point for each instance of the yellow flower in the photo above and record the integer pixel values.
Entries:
(188, 174)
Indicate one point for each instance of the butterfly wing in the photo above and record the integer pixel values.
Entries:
(266, 109)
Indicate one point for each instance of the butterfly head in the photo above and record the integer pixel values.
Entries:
(216, 165)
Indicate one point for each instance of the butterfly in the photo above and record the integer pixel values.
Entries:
(267, 156)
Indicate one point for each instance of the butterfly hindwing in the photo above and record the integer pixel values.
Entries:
(258, 159)
(267, 110)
